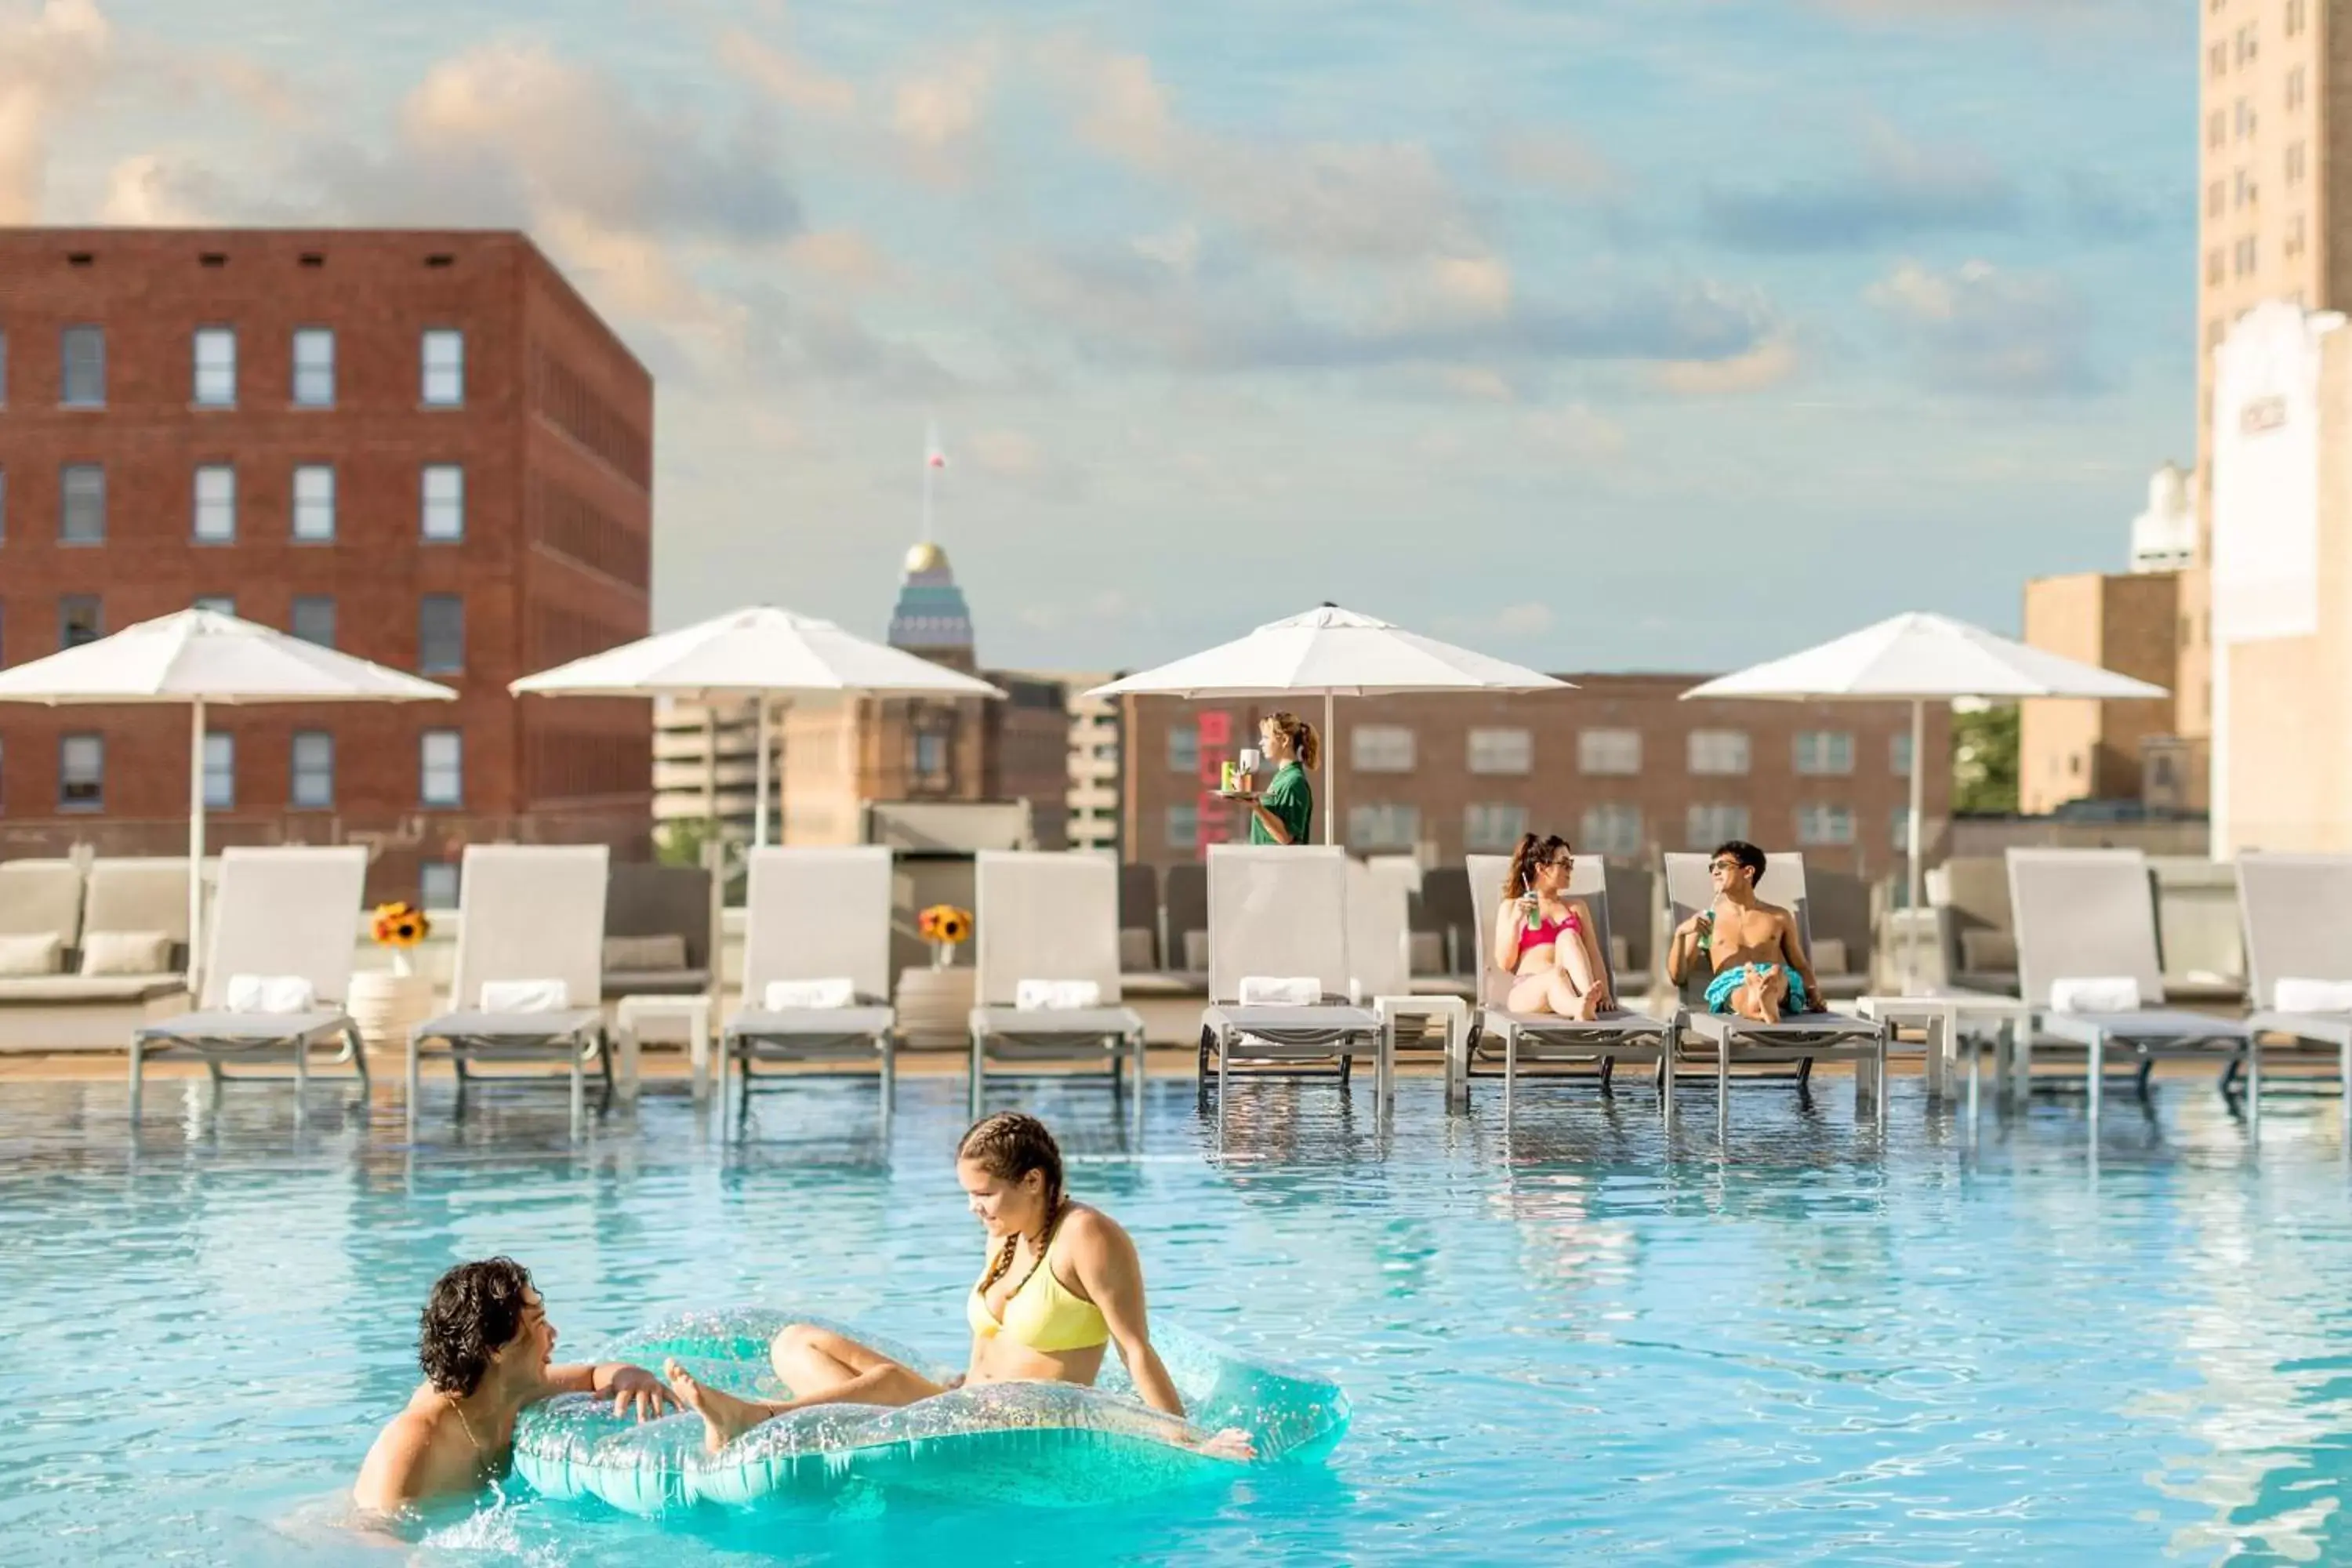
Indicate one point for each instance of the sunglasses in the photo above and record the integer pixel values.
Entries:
(1723, 864)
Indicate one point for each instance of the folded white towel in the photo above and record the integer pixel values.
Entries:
(1056, 995)
(2095, 993)
(269, 993)
(2311, 995)
(1271, 990)
(525, 996)
(788, 995)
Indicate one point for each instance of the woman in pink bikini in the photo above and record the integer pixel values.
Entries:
(1545, 939)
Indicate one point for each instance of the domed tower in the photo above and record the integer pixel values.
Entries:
(931, 619)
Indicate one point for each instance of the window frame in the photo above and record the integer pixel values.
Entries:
(424, 503)
(66, 473)
(85, 331)
(1696, 741)
(426, 664)
(214, 334)
(295, 771)
(96, 801)
(1516, 740)
(1378, 756)
(425, 346)
(298, 504)
(197, 503)
(226, 772)
(1593, 742)
(296, 368)
(425, 768)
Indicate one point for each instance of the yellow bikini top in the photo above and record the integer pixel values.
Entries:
(1042, 1314)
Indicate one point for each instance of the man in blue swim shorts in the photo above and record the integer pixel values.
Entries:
(1753, 953)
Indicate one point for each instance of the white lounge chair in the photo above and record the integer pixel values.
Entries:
(1049, 919)
(2292, 908)
(1502, 1041)
(2090, 914)
(278, 913)
(527, 914)
(1280, 912)
(814, 915)
(1725, 1039)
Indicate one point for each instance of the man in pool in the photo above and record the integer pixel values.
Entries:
(484, 1342)
(1758, 960)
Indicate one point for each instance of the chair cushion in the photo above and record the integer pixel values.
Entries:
(2095, 993)
(792, 995)
(1280, 991)
(666, 950)
(110, 952)
(269, 993)
(44, 953)
(1056, 995)
(31, 990)
(2305, 995)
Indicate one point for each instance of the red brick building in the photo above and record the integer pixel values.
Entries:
(1620, 767)
(423, 447)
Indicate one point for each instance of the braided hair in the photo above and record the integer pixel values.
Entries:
(1008, 1146)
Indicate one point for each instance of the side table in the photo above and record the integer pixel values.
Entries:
(631, 1015)
(385, 1006)
(1452, 1012)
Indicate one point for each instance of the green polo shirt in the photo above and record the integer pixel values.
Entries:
(1292, 801)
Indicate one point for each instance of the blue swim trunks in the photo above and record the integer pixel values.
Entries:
(1719, 989)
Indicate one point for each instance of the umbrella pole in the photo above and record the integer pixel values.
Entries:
(196, 847)
(1918, 798)
(759, 774)
(1330, 799)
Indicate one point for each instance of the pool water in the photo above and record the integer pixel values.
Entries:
(1562, 1345)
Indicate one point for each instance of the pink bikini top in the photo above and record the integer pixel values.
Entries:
(1546, 933)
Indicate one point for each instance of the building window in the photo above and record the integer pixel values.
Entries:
(1490, 828)
(1383, 826)
(2216, 129)
(1708, 826)
(436, 885)
(81, 504)
(314, 368)
(216, 384)
(1898, 754)
(1502, 751)
(444, 502)
(1824, 751)
(2247, 44)
(2213, 266)
(2215, 193)
(220, 771)
(2294, 88)
(1718, 750)
(441, 650)
(82, 368)
(314, 503)
(218, 604)
(314, 770)
(441, 758)
(314, 618)
(445, 368)
(1824, 825)
(2217, 59)
(1609, 751)
(2294, 241)
(2245, 256)
(80, 620)
(1901, 819)
(81, 772)
(1611, 829)
(1184, 827)
(1185, 751)
(2245, 117)
(2293, 16)
(1381, 749)
(2294, 164)
(216, 520)
(2244, 189)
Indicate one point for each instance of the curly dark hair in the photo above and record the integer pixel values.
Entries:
(1009, 1145)
(475, 1311)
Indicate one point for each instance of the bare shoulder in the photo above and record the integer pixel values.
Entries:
(1783, 916)
(1092, 1229)
(395, 1469)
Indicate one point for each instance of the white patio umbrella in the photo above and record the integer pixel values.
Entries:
(1921, 658)
(1330, 652)
(760, 653)
(203, 657)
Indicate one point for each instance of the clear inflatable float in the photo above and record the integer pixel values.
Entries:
(1046, 1444)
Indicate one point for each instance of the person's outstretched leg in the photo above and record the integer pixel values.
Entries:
(1772, 993)
(819, 1366)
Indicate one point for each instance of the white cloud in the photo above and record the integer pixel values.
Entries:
(1554, 160)
(142, 192)
(1523, 620)
(841, 256)
(1983, 330)
(1767, 364)
(1577, 431)
(51, 59)
(785, 76)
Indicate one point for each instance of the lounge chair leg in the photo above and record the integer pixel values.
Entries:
(358, 1049)
(1510, 1077)
(138, 1063)
(979, 1068)
(1666, 1087)
(2253, 1091)
(1805, 1073)
(1607, 1075)
(301, 1071)
(889, 1081)
(1142, 1065)
(2139, 1079)
(2098, 1074)
(2228, 1077)
(1225, 1053)
(1201, 1079)
(1723, 1091)
(416, 1076)
(579, 1089)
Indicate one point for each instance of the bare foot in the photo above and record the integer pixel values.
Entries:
(1768, 1002)
(724, 1417)
(1232, 1443)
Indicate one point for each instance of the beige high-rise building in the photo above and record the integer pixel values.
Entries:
(2276, 76)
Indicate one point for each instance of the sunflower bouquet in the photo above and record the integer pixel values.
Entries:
(400, 926)
(946, 927)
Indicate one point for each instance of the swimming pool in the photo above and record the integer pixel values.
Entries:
(1560, 1346)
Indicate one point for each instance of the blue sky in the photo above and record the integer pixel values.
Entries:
(1649, 334)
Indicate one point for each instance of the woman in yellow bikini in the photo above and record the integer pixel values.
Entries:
(1062, 1282)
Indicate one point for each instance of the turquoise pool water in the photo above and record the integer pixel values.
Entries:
(1561, 1346)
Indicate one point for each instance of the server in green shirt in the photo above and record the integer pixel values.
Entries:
(1284, 812)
